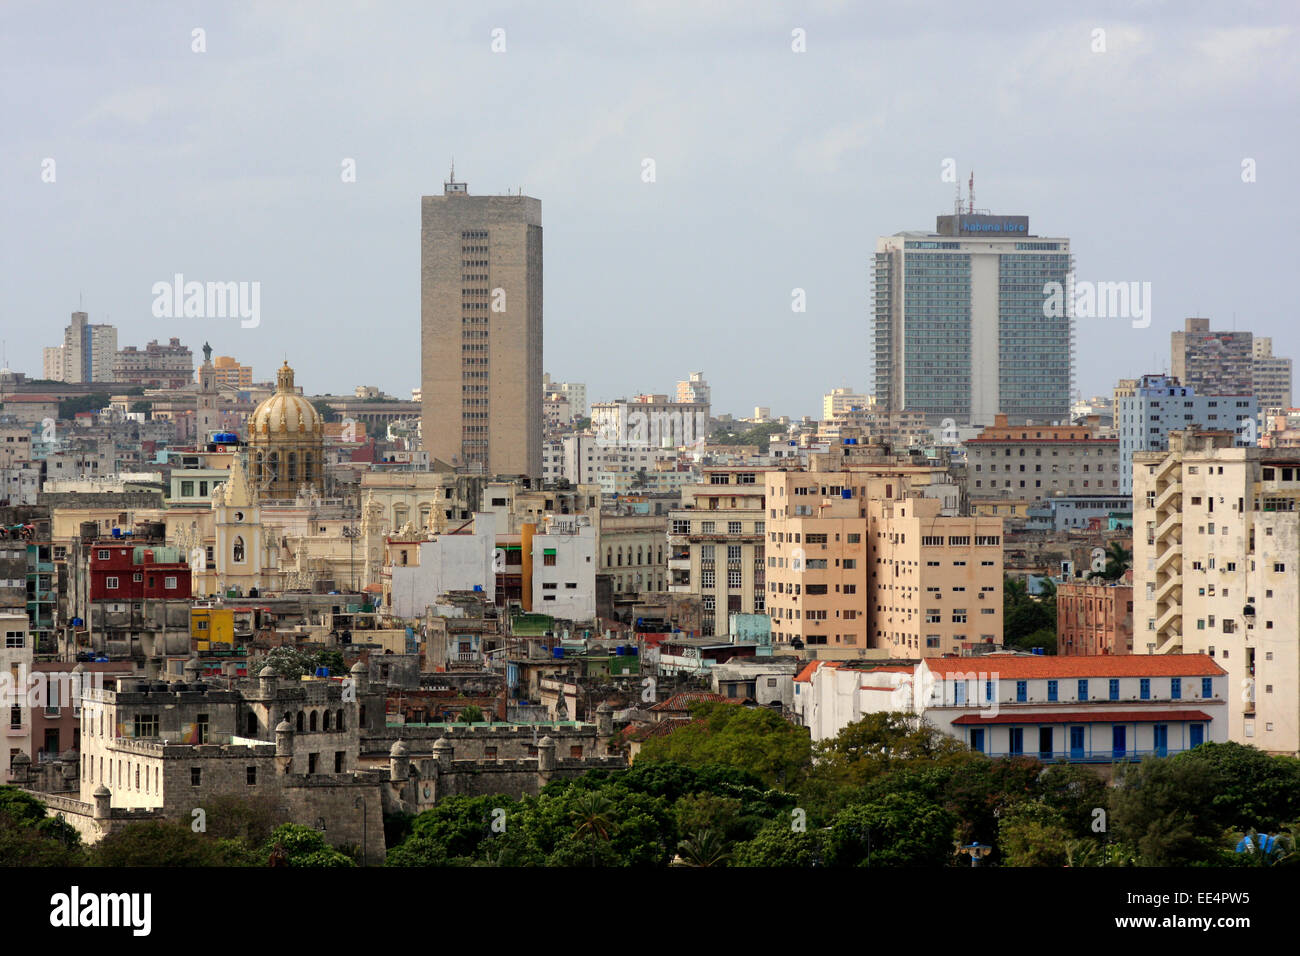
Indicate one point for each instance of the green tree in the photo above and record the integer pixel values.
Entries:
(156, 843)
(779, 844)
(754, 740)
(1157, 810)
(1118, 560)
(704, 848)
(880, 742)
(1034, 834)
(28, 837)
(1252, 788)
(900, 829)
(470, 714)
(295, 845)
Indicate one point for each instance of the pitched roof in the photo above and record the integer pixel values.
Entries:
(1090, 665)
(684, 700)
(1087, 717)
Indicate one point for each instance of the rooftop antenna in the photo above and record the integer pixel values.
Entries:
(956, 203)
(970, 196)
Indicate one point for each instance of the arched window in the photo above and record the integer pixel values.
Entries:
(273, 466)
(312, 722)
(609, 557)
(293, 466)
(260, 468)
(638, 554)
(237, 551)
(338, 720)
(306, 466)
(250, 725)
(302, 721)
(325, 721)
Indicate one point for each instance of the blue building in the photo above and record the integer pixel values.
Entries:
(1161, 404)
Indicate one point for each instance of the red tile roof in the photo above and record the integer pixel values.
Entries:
(684, 700)
(1093, 665)
(1087, 717)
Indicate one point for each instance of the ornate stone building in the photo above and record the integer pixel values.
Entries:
(285, 442)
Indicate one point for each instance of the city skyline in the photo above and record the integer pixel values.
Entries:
(230, 165)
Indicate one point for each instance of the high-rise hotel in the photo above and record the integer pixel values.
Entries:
(481, 331)
(960, 326)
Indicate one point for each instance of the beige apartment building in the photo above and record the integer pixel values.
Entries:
(936, 581)
(1216, 559)
(716, 545)
(481, 331)
(1037, 461)
(866, 559)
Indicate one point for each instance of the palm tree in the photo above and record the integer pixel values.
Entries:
(1118, 560)
(593, 815)
(705, 848)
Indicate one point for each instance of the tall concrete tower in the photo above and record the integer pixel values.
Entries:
(481, 330)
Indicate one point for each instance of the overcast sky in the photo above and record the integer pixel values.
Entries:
(774, 170)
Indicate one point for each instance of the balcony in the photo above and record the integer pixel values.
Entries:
(1163, 500)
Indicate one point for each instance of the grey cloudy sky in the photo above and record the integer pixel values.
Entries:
(774, 170)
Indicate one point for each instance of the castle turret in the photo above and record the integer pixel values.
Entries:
(360, 674)
(103, 802)
(284, 746)
(267, 681)
(399, 762)
(604, 720)
(545, 757)
(443, 754)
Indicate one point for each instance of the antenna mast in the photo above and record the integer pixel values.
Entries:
(970, 197)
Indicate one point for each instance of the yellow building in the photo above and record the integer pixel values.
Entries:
(230, 372)
(212, 628)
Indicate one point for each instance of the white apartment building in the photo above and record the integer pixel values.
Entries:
(1216, 570)
(421, 568)
(15, 669)
(564, 567)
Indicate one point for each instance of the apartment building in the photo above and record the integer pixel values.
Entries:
(716, 544)
(86, 355)
(155, 366)
(1216, 558)
(1271, 376)
(1160, 404)
(936, 581)
(840, 400)
(1094, 617)
(15, 667)
(1213, 363)
(1038, 461)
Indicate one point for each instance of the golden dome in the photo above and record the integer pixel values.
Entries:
(286, 414)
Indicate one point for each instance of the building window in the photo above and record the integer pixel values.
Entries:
(1207, 687)
(196, 777)
(250, 775)
(1114, 688)
(1051, 690)
(1083, 689)
(1144, 688)
(1175, 688)
(1022, 691)
(110, 583)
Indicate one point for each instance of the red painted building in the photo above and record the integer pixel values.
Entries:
(127, 572)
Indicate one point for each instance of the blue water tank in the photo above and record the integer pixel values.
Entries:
(117, 532)
(322, 672)
(846, 492)
(478, 587)
(1037, 650)
(620, 650)
(557, 652)
(631, 651)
